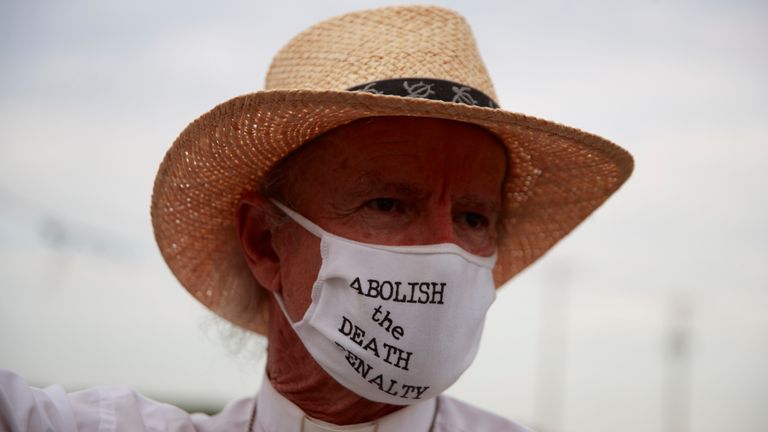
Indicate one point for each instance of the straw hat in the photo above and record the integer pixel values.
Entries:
(396, 61)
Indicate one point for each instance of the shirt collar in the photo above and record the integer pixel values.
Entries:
(275, 413)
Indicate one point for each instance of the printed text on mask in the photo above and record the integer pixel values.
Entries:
(393, 291)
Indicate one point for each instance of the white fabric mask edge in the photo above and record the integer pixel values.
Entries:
(487, 262)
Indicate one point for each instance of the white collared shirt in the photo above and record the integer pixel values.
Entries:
(113, 409)
(276, 413)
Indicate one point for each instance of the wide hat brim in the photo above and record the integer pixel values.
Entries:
(558, 175)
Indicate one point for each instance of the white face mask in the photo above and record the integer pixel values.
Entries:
(394, 324)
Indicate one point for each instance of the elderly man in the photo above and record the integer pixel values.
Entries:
(360, 212)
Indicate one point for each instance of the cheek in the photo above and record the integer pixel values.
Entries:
(299, 255)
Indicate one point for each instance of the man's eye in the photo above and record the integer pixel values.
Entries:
(474, 220)
(382, 204)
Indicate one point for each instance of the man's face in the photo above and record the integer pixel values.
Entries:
(393, 181)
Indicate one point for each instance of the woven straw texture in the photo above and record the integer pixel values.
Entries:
(558, 175)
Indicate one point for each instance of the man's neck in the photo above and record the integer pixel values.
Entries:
(295, 374)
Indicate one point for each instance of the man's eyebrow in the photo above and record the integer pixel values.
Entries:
(480, 202)
(373, 182)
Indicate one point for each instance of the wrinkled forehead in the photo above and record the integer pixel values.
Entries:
(409, 151)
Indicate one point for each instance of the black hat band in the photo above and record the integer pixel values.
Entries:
(428, 88)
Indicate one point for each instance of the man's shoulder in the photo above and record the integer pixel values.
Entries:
(457, 416)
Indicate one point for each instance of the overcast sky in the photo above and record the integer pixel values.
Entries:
(92, 93)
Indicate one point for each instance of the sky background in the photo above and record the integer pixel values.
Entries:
(651, 316)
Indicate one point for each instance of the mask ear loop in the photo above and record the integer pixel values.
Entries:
(279, 300)
(307, 225)
(301, 220)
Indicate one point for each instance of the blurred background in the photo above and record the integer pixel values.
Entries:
(651, 316)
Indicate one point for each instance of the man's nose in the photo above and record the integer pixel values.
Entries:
(439, 227)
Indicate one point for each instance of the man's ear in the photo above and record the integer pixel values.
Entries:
(254, 231)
